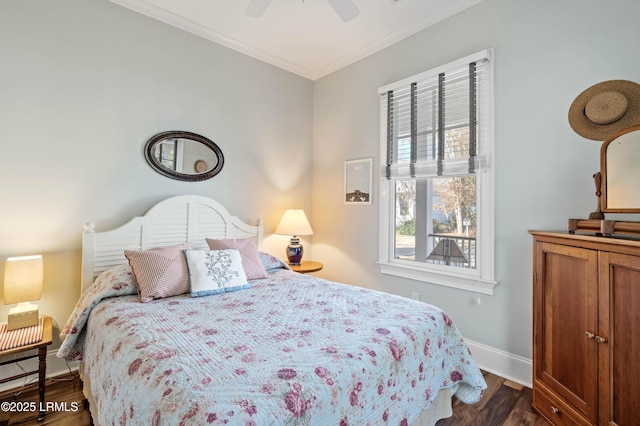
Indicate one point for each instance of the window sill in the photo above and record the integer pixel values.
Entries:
(445, 278)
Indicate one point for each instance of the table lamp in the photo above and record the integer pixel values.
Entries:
(22, 284)
(294, 223)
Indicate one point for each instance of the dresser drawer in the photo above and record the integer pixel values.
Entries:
(556, 411)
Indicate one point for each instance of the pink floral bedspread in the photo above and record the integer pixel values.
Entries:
(292, 350)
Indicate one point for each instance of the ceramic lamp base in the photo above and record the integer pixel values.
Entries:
(23, 315)
(294, 251)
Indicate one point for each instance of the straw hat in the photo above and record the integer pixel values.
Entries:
(605, 108)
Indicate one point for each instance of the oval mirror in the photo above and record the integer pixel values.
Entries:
(619, 159)
(183, 156)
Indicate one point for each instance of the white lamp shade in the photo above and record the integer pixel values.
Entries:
(294, 222)
(22, 279)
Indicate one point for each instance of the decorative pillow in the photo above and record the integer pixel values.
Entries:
(215, 271)
(270, 262)
(248, 251)
(160, 272)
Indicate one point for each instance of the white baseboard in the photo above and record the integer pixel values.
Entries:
(55, 367)
(504, 364)
(496, 361)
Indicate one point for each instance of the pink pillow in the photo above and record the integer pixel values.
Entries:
(251, 262)
(160, 272)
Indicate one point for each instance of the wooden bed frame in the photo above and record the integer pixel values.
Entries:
(173, 221)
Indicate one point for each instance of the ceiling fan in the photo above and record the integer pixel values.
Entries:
(345, 9)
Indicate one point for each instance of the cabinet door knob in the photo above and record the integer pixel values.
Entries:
(555, 410)
(589, 335)
(600, 339)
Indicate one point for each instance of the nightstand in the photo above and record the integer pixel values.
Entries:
(41, 346)
(307, 266)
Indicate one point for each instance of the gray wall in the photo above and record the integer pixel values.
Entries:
(546, 53)
(84, 83)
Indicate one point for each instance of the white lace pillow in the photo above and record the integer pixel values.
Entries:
(251, 263)
(215, 271)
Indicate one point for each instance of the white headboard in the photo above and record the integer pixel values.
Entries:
(172, 221)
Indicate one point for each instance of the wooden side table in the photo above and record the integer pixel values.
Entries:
(307, 266)
(41, 346)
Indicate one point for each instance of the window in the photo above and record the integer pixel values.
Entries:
(436, 221)
(167, 153)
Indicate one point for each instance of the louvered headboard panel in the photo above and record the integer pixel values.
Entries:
(173, 221)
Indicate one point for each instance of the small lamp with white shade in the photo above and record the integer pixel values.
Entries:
(22, 284)
(294, 222)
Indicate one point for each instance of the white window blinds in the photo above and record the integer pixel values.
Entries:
(435, 125)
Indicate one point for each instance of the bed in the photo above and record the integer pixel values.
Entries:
(280, 349)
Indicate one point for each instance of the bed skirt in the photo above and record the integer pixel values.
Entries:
(440, 409)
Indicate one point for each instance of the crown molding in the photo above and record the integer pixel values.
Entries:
(170, 18)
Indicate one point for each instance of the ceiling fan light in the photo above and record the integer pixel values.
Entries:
(345, 9)
(256, 8)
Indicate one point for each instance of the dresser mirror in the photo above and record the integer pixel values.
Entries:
(620, 170)
(183, 156)
(617, 186)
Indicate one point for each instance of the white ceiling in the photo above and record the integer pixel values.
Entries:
(305, 37)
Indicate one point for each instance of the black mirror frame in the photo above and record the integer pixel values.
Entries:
(176, 134)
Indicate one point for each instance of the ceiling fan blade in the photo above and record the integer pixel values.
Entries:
(345, 9)
(256, 8)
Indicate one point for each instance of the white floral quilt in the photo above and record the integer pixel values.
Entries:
(291, 350)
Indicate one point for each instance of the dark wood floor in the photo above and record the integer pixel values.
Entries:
(65, 391)
(504, 403)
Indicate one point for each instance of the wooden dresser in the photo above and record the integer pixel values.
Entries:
(586, 329)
